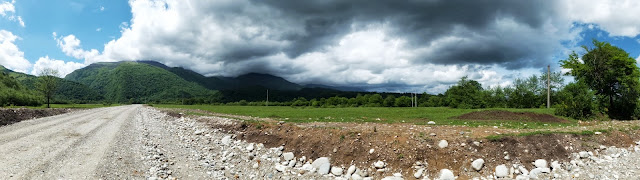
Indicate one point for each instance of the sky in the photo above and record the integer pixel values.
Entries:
(386, 45)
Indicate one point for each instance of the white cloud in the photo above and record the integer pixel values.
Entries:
(70, 45)
(619, 18)
(10, 55)
(7, 10)
(62, 67)
(7, 6)
(101, 8)
(99, 29)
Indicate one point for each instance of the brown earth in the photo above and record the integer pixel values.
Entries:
(13, 115)
(511, 116)
(401, 145)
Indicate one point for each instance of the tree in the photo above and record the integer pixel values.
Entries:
(575, 101)
(612, 74)
(390, 101)
(375, 100)
(403, 101)
(466, 94)
(48, 84)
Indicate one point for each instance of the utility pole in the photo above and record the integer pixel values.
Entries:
(267, 97)
(548, 86)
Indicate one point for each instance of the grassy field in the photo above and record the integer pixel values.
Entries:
(420, 115)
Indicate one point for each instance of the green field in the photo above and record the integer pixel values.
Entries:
(420, 115)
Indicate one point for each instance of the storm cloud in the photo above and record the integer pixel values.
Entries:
(428, 44)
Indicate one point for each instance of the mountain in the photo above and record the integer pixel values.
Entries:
(68, 91)
(12, 92)
(138, 82)
(250, 80)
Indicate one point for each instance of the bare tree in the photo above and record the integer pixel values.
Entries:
(48, 83)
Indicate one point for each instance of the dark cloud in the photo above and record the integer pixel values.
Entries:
(422, 23)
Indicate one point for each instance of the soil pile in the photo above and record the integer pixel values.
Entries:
(13, 115)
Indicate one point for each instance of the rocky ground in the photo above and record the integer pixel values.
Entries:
(138, 142)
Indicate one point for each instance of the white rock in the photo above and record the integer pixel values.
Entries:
(523, 170)
(507, 157)
(288, 156)
(379, 164)
(324, 168)
(351, 170)
(199, 132)
(522, 177)
(418, 173)
(255, 165)
(540, 163)
(371, 151)
(537, 171)
(307, 167)
(597, 133)
(477, 164)
(226, 140)
(397, 174)
(502, 171)
(556, 166)
(280, 168)
(431, 122)
(320, 161)
(476, 143)
(356, 177)
(336, 171)
(446, 174)
(250, 147)
(292, 163)
(583, 154)
(443, 143)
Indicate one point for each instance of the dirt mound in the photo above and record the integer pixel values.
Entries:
(14, 115)
(511, 116)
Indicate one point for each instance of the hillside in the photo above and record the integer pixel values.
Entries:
(68, 91)
(12, 92)
(138, 83)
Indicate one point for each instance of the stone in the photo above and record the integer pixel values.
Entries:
(336, 171)
(371, 151)
(523, 170)
(280, 168)
(476, 143)
(583, 154)
(226, 140)
(431, 123)
(597, 133)
(432, 134)
(502, 171)
(351, 170)
(324, 168)
(307, 167)
(446, 174)
(250, 147)
(443, 144)
(507, 157)
(288, 156)
(292, 163)
(199, 132)
(379, 164)
(255, 165)
(540, 163)
(418, 173)
(477, 164)
(320, 161)
(356, 177)
(555, 165)
(533, 174)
